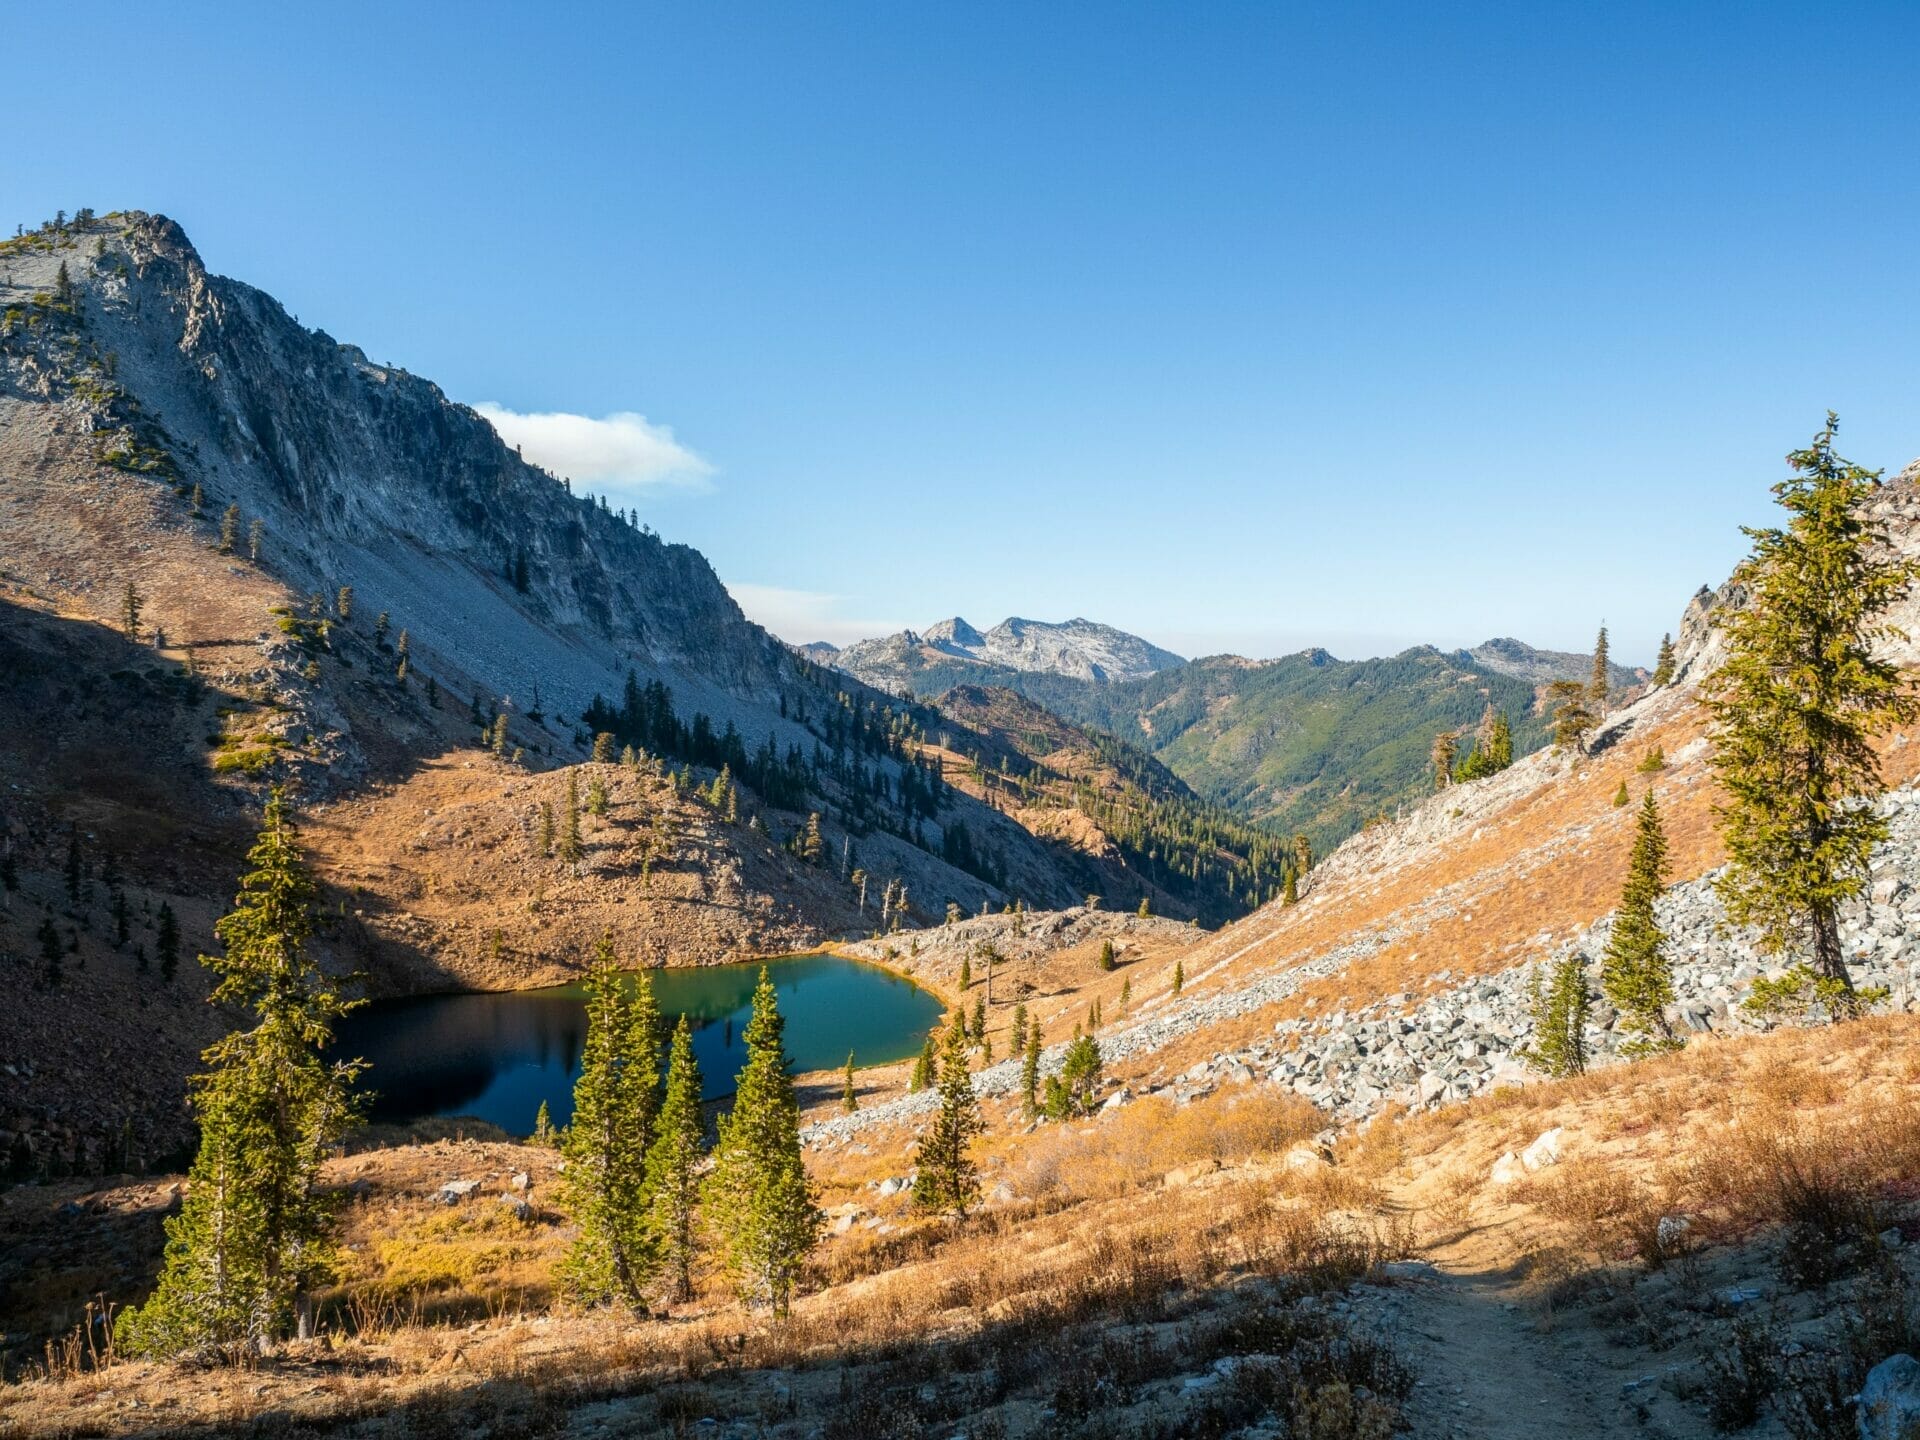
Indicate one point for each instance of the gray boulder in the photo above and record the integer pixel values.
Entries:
(1890, 1400)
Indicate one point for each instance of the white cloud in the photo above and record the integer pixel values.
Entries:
(623, 453)
(800, 616)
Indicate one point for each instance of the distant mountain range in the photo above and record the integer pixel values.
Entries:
(952, 652)
(1306, 742)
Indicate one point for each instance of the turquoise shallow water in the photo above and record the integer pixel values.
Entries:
(497, 1056)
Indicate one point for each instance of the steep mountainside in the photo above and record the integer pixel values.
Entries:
(952, 652)
(176, 437)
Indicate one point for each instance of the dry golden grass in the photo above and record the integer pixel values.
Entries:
(433, 1296)
(1144, 1141)
(1816, 1128)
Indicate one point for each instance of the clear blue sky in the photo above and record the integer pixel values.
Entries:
(1241, 326)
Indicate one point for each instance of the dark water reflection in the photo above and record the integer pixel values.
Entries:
(497, 1056)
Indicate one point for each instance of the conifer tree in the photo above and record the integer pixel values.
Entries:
(1620, 797)
(166, 942)
(1601, 685)
(1106, 955)
(1446, 749)
(1499, 745)
(1663, 664)
(946, 1181)
(252, 1235)
(1492, 747)
(673, 1165)
(1146, 909)
(1290, 888)
(966, 972)
(1017, 1034)
(1070, 1093)
(1560, 1006)
(1126, 993)
(542, 1125)
(923, 1067)
(758, 1194)
(256, 532)
(812, 847)
(1796, 707)
(132, 602)
(1179, 976)
(229, 529)
(1635, 974)
(343, 603)
(615, 1102)
(1572, 719)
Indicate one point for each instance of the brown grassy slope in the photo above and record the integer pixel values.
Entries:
(1481, 877)
(447, 884)
(161, 777)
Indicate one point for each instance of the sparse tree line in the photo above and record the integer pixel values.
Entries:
(1796, 708)
(81, 873)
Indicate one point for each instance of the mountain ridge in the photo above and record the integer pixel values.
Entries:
(1078, 649)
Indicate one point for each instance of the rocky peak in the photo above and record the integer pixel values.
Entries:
(367, 475)
(954, 634)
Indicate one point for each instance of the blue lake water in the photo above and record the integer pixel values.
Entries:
(497, 1056)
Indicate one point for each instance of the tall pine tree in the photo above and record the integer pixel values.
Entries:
(758, 1195)
(1663, 664)
(1796, 707)
(1560, 1002)
(946, 1181)
(1601, 683)
(615, 1102)
(673, 1186)
(1635, 973)
(252, 1235)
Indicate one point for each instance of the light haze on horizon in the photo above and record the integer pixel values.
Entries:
(1241, 327)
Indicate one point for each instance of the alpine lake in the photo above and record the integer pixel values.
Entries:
(496, 1056)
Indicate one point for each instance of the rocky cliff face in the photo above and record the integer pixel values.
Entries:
(366, 475)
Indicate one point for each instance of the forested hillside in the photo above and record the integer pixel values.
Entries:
(1023, 755)
(1306, 743)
